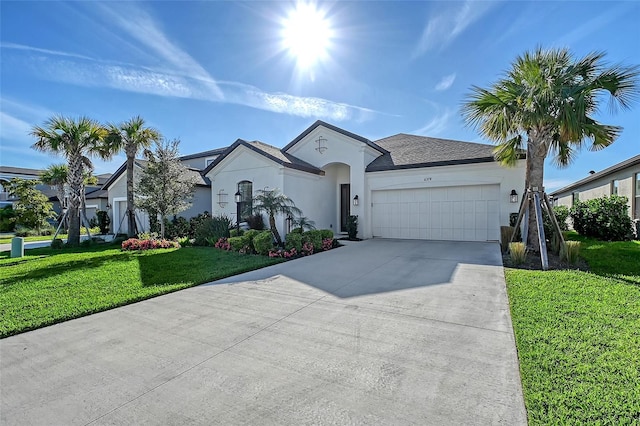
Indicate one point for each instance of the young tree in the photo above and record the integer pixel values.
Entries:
(33, 207)
(165, 186)
(131, 136)
(77, 140)
(546, 102)
(273, 203)
(56, 176)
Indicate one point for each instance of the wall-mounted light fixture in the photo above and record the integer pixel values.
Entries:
(322, 144)
(356, 201)
(238, 198)
(222, 198)
(513, 197)
(289, 223)
(108, 206)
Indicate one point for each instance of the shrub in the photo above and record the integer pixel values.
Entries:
(103, 221)
(57, 244)
(327, 244)
(263, 242)
(184, 241)
(562, 214)
(352, 226)
(22, 231)
(138, 244)
(223, 244)
(326, 233)
(239, 243)
(195, 221)
(314, 237)
(7, 219)
(235, 233)
(256, 221)
(570, 251)
(518, 252)
(293, 241)
(287, 254)
(213, 228)
(307, 249)
(603, 218)
(251, 234)
(296, 231)
(177, 227)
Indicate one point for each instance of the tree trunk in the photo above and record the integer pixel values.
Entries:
(131, 219)
(274, 229)
(75, 197)
(536, 154)
(162, 227)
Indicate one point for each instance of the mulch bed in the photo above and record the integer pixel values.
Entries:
(533, 262)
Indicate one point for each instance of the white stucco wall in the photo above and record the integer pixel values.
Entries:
(466, 174)
(244, 164)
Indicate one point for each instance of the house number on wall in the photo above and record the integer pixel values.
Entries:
(427, 179)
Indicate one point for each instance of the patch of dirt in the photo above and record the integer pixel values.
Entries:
(533, 262)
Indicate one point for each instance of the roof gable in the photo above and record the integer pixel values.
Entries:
(268, 151)
(335, 129)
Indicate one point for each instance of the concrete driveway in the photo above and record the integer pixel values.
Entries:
(377, 332)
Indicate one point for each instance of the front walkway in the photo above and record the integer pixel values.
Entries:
(377, 332)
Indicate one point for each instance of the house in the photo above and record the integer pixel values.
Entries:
(95, 198)
(402, 186)
(116, 190)
(620, 179)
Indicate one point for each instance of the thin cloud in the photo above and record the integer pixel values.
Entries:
(16, 46)
(437, 125)
(445, 27)
(446, 82)
(12, 127)
(593, 25)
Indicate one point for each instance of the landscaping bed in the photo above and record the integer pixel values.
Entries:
(578, 336)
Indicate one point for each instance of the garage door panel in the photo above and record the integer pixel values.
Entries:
(465, 213)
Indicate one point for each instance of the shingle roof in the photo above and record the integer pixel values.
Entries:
(412, 151)
(208, 153)
(335, 129)
(200, 179)
(269, 151)
(98, 193)
(20, 170)
(602, 173)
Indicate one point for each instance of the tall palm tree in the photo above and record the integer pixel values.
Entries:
(273, 203)
(76, 140)
(546, 103)
(131, 137)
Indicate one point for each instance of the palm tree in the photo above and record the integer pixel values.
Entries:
(131, 136)
(273, 203)
(303, 223)
(76, 140)
(56, 176)
(546, 103)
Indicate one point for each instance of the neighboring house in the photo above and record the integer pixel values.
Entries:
(116, 190)
(402, 186)
(7, 173)
(620, 179)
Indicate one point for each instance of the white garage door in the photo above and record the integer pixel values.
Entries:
(464, 213)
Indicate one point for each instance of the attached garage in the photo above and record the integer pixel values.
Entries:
(462, 213)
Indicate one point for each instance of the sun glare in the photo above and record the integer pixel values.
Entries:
(307, 34)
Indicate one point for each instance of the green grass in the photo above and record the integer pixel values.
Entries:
(7, 240)
(49, 286)
(578, 337)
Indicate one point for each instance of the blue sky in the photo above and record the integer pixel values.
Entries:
(211, 72)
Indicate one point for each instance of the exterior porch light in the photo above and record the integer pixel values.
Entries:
(238, 198)
(289, 222)
(513, 197)
(356, 201)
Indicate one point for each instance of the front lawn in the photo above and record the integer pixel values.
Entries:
(49, 286)
(7, 240)
(578, 337)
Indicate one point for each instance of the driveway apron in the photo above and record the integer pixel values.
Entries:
(377, 332)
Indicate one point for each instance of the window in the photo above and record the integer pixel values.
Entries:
(636, 213)
(575, 197)
(246, 205)
(615, 187)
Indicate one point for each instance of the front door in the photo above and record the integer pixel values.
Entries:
(345, 205)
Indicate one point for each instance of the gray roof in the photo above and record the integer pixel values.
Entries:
(209, 153)
(602, 173)
(411, 151)
(200, 179)
(269, 151)
(20, 170)
(98, 193)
